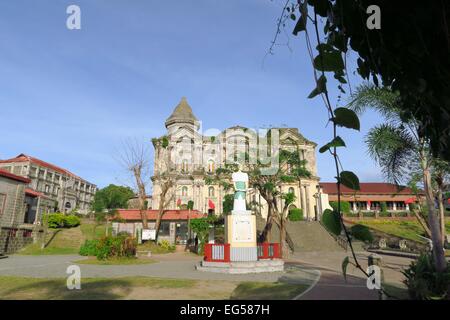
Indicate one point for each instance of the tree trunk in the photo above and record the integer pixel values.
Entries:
(441, 214)
(422, 222)
(438, 249)
(282, 236)
(265, 235)
(142, 197)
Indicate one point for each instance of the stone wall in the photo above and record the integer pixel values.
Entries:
(13, 239)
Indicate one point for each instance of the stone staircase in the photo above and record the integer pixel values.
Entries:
(305, 236)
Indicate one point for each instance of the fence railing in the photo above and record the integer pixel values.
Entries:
(217, 252)
(221, 252)
(268, 250)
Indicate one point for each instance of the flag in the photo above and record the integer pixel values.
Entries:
(178, 202)
(211, 204)
(410, 200)
(369, 203)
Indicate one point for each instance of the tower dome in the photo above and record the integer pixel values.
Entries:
(182, 115)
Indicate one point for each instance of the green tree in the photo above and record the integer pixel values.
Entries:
(290, 169)
(228, 201)
(112, 197)
(398, 147)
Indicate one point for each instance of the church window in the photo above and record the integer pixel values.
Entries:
(291, 190)
(184, 191)
(211, 191)
(184, 166)
(211, 166)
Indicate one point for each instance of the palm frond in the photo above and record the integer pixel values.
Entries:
(393, 149)
(383, 100)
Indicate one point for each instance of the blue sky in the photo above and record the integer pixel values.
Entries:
(71, 96)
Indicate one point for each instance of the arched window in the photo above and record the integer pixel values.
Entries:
(211, 191)
(184, 166)
(184, 191)
(291, 190)
(211, 166)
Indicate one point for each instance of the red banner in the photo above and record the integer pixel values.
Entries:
(410, 200)
(211, 204)
(178, 202)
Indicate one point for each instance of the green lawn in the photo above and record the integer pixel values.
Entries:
(118, 261)
(401, 228)
(264, 291)
(14, 288)
(153, 248)
(66, 241)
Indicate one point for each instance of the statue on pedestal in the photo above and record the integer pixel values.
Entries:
(240, 182)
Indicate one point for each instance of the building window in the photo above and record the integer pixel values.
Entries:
(184, 166)
(291, 190)
(164, 229)
(27, 233)
(184, 191)
(2, 202)
(211, 166)
(47, 188)
(401, 205)
(211, 191)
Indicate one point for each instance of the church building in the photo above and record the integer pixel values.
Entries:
(191, 158)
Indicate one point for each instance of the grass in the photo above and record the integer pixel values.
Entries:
(404, 229)
(153, 248)
(63, 241)
(15, 288)
(116, 261)
(91, 288)
(265, 291)
(66, 241)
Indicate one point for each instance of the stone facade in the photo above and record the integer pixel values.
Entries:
(191, 157)
(16, 229)
(68, 191)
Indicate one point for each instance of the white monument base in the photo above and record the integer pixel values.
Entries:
(240, 233)
(275, 265)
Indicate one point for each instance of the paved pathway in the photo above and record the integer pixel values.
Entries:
(320, 270)
(170, 266)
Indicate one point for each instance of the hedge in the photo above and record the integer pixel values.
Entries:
(362, 233)
(332, 222)
(60, 220)
(345, 206)
(295, 214)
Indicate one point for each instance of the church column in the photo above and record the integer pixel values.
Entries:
(303, 201)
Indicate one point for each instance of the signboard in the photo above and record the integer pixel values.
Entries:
(148, 234)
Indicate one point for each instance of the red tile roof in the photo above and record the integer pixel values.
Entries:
(34, 193)
(25, 158)
(367, 188)
(6, 174)
(134, 214)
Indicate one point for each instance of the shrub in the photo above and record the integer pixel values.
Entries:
(56, 220)
(424, 282)
(89, 248)
(368, 214)
(332, 221)
(345, 206)
(115, 247)
(295, 214)
(383, 207)
(60, 220)
(71, 221)
(362, 233)
(166, 245)
(384, 214)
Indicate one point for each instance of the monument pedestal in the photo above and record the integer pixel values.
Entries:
(240, 233)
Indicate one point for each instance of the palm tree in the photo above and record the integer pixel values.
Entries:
(400, 148)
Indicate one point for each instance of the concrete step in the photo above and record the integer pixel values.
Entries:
(306, 236)
(241, 267)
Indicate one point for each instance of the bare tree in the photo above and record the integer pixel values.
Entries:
(134, 157)
(163, 180)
